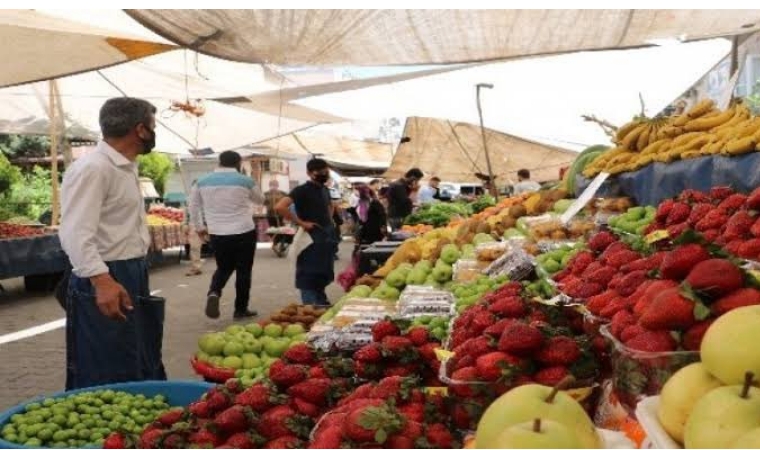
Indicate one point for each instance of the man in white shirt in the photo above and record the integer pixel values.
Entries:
(225, 199)
(114, 327)
(524, 183)
(429, 193)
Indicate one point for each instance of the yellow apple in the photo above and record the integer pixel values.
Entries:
(750, 439)
(728, 349)
(538, 434)
(679, 395)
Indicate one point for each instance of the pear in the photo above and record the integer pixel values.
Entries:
(525, 403)
(750, 439)
(728, 349)
(679, 395)
(538, 434)
(723, 415)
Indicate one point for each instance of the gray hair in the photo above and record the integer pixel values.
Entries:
(118, 116)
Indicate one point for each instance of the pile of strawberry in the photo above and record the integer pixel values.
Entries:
(505, 341)
(722, 216)
(392, 413)
(396, 351)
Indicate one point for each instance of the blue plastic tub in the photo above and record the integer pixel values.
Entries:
(177, 393)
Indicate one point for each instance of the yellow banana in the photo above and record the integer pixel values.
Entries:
(684, 138)
(624, 130)
(631, 138)
(701, 108)
(681, 120)
(740, 146)
(643, 139)
(669, 131)
(707, 123)
(740, 115)
(691, 154)
(746, 128)
(654, 147)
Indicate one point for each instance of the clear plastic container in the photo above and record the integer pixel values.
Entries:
(646, 414)
(491, 251)
(467, 270)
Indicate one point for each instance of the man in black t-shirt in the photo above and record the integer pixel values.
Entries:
(399, 201)
(315, 264)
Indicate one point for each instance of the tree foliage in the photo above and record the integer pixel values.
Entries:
(157, 167)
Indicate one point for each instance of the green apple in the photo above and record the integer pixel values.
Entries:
(396, 278)
(213, 344)
(450, 254)
(361, 291)
(234, 329)
(233, 348)
(232, 362)
(293, 330)
(680, 393)
(277, 347)
(200, 355)
(255, 329)
(252, 345)
(728, 348)
(299, 338)
(750, 439)
(250, 361)
(216, 361)
(529, 401)
(416, 277)
(442, 273)
(273, 330)
(723, 415)
(538, 434)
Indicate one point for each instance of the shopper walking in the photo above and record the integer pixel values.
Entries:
(114, 328)
(221, 207)
(272, 197)
(399, 193)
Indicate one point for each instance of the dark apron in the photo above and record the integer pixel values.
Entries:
(315, 265)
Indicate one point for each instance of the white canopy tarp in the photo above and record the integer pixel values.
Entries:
(40, 47)
(541, 99)
(335, 149)
(392, 37)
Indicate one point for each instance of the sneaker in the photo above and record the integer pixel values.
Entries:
(245, 314)
(193, 272)
(212, 305)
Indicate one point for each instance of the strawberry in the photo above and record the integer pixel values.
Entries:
(669, 310)
(150, 438)
(621, 258)
(631, 331)
(243, 440)
(218, 399)
(200, 409)
(600, 241)
(370, 353)
(652, 342)
(286, 375)
(620, 321)
(629, 283)
(715, 277)
(395, 345)
(495, 365)
(715, 219)
(438, 436)
(584, 290)
(394, 387)
(463, 378)
(596, 304)
(363, 391)
(677, 263)
(204, 438)
(755, 229)
(384, 328)
(282, 421)
(510, 307)
(234, 419)
(720, 193)
(753, 200)
(692, 196)
(400, 441)
(413, 412)
(733, 247)
(580, 262)
(738, 226)
(603, 275)
(732, 203)
(400, 371)
(737, 299)
(496, 329)
(663, 210)
(466, 413)
(478, 346)
(258, 397)
(551, 376)
(520, 339)
(481, 320)
(559, 351)
(679, 213)
(462, 361)
(171, 417)
(427, 351)
(711, 235)
(418, 335)
(650, 293)
(698, 212)
(284, 442)
(692, 338)
(318, 372)
(116, 440)
(327, 437)
(749, 249)
(317, 391)
(367, 371)
(300, 354)
(372, 424)
(613, 307)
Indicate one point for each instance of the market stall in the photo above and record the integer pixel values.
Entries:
(31, 253)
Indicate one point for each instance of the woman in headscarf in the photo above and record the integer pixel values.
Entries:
(371, 216)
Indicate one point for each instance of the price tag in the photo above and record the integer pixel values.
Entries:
(443, 355)
(656, 236)
(584, 198)
(433, 390)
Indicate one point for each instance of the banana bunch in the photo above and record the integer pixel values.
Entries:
(156, 220)
(701, 131)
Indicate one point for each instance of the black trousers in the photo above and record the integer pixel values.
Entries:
(234, 253)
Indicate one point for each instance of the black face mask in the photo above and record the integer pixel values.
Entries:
(321, 178)
(149, 143)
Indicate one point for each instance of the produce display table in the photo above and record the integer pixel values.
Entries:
(658, 181)
(163, 237)
(35, 258)
(374, 256)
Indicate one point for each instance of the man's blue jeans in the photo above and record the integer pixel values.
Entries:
(314, 297)
(100, 350)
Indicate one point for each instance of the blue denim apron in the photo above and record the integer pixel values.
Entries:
(315, 265)
(100, 350)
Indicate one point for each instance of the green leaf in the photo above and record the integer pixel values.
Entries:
(701, 312)
(381, 436)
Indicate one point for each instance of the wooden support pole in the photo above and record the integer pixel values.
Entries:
(54, 136)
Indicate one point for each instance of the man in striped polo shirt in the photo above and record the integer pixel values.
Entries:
(221, 209)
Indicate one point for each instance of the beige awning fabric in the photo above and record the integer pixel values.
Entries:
(453, 151)
(388, 37)
(355, 153)
(40, 47)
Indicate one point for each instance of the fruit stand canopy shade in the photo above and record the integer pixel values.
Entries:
(393, 37)
(453, 151)
(334, 149)
(40, 47)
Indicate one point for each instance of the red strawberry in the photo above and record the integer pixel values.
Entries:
(116, 440)
(679, 213)
(363, 391)
(674, 231)
(614, 306)
(285, 442)
(669, 311)
(286, 375)
(749, 249)
(315, 390)
(551, 376)
(413, 412)
(715, 219)
(580, 262)
(620, 321)
(372, 424)
(632, 331)
(755, 230)
(621, 258)
(711, 235)
(478, 346)
(318, 372)
(400, 371)
(559, 351)
(597, 303)
(652, 342)
(418, 335)
(281, 421)
(520, 339)
(233, 386)
(384, 328)
(259, 397)
(395, 345)
(438, 436)
(737, 299)
(602, 275)
(243, 440)
(629, 283)
(753, 200)
(370, 353)
(400, 441)
(715, 277)
(394, 387)
(719, 193)
(650, 293)
(692, 338)
(692, 196)
(698, 212)
(732, 203)
(171, 417)
(200, 409)
(584, 290)
(462, 361)
(508, 307)
(300, 354)
(600, 241)
(482, 320)
(463, 379)
(327, 437)
(218, 400)
(738, 226)
(204, 438)
(234, 419)
(302, 406)
(494, 365)
(677, 263)
(663, 210)
(496, 329)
